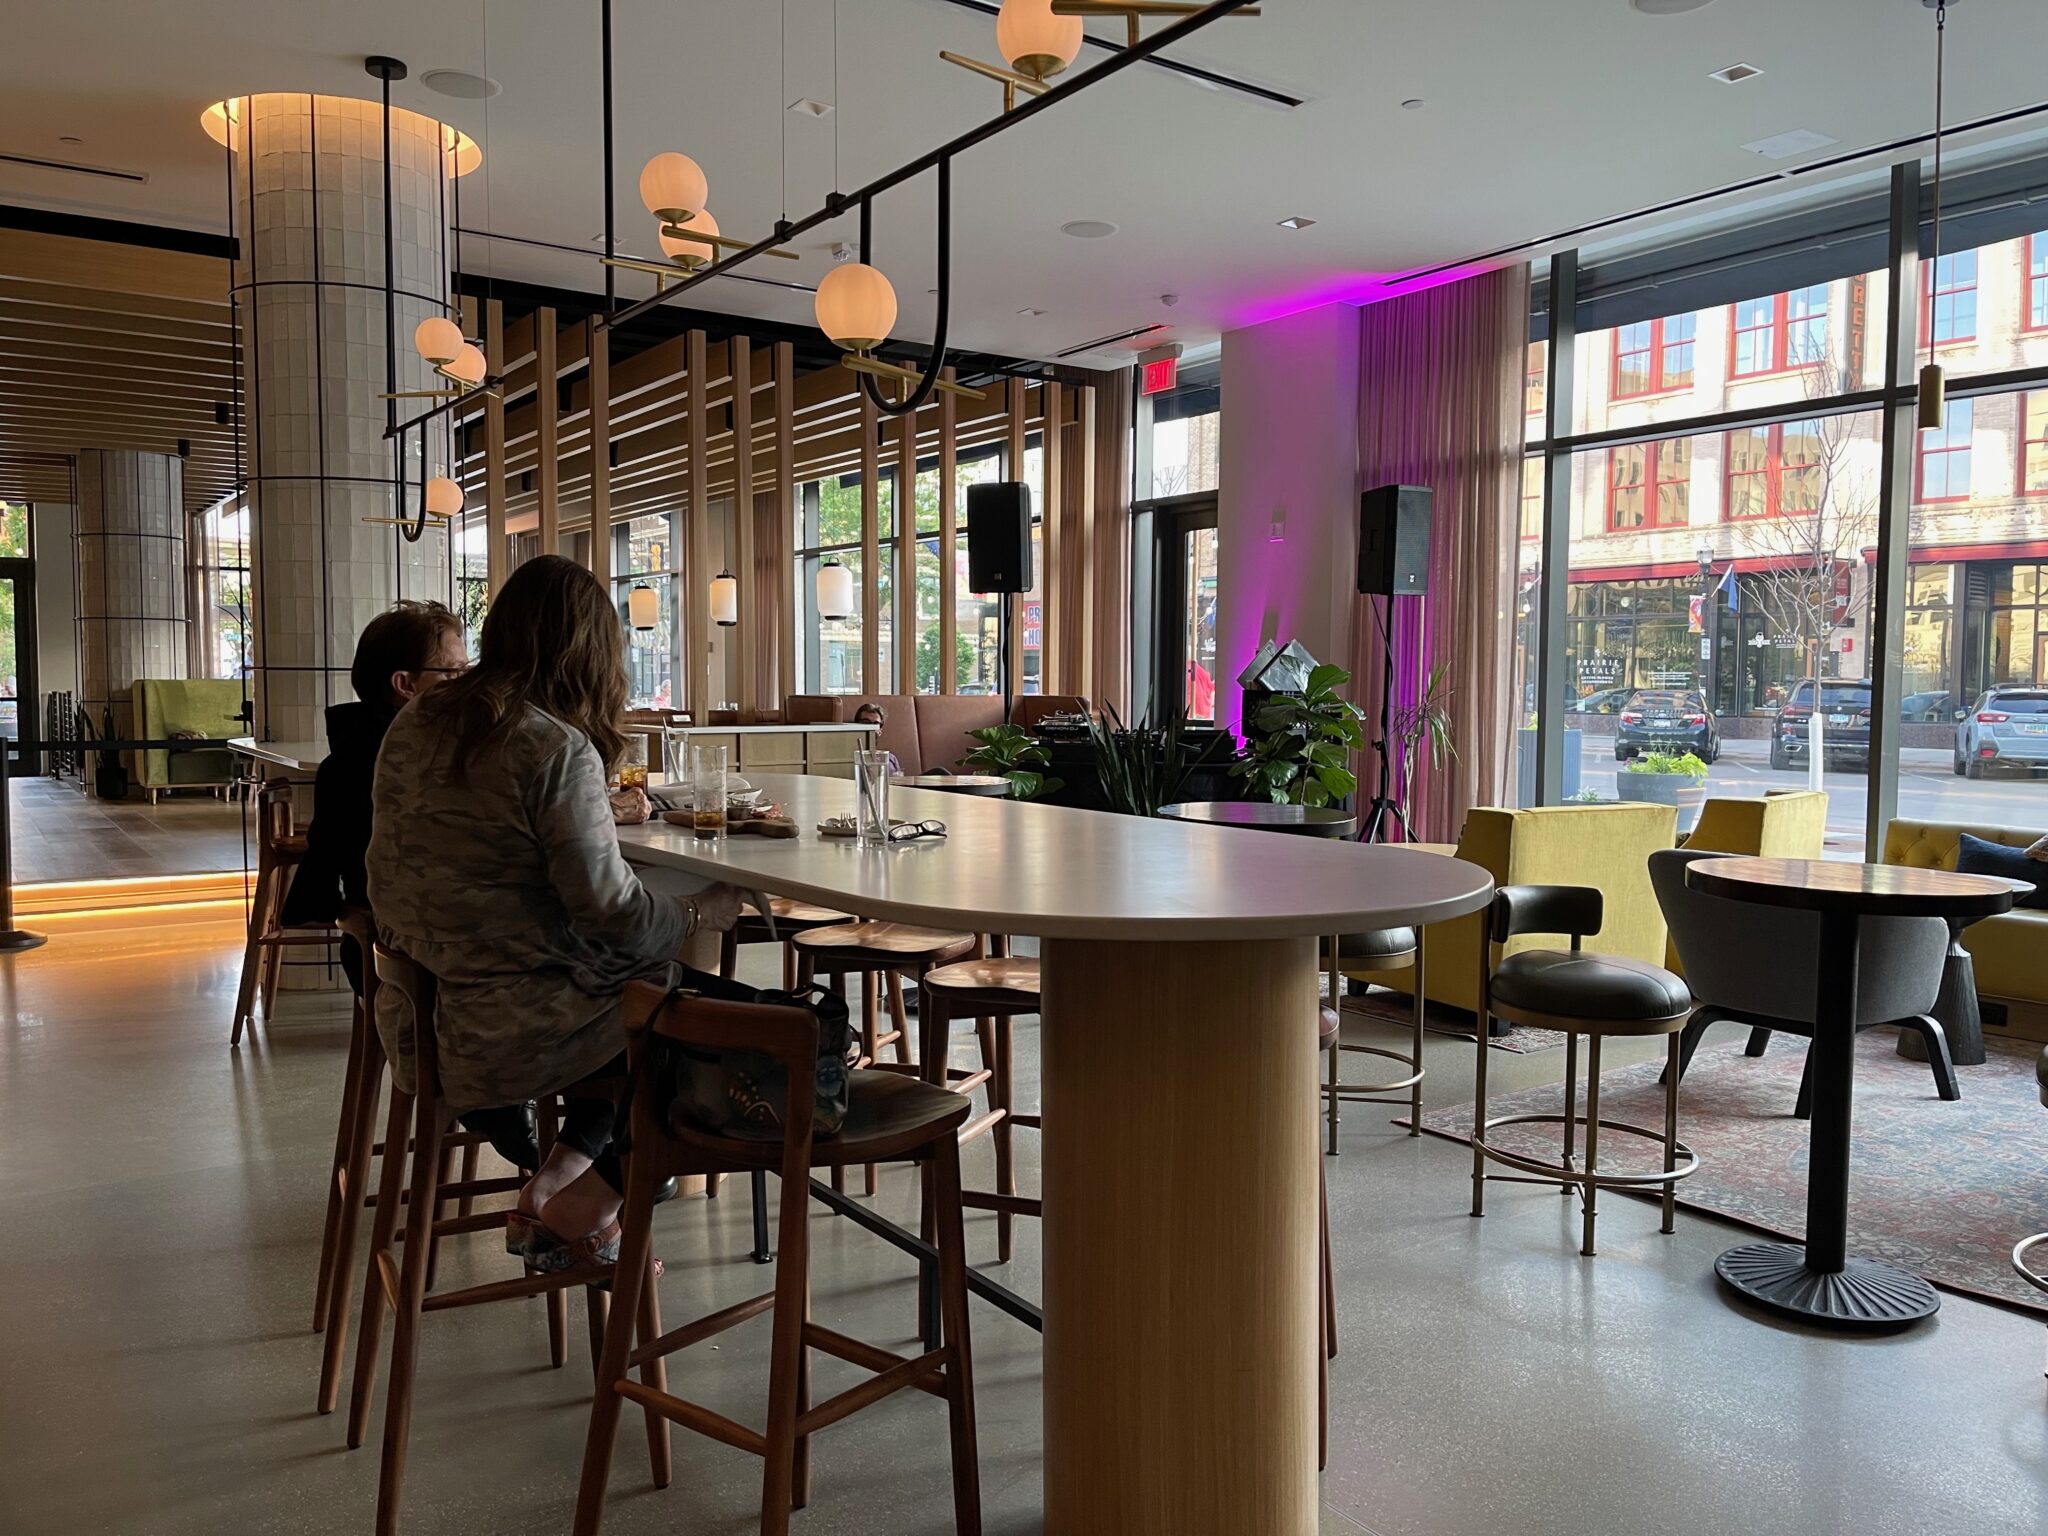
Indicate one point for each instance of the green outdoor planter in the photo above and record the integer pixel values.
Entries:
(1676, 789)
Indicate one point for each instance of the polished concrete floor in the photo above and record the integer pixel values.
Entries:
(162, 1199)
(60, 832)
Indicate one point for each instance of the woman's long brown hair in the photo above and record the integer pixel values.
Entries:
(551, 639)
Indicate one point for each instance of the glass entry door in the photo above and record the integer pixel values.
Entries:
(1184, 606)
(18, 697)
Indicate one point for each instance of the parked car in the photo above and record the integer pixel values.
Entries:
(2007, 729)
(1604, 701)
(1845, 723)
(1666, 720)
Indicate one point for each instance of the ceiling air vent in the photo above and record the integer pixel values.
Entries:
(45, 163)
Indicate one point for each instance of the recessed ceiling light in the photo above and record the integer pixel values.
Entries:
(1029, 313)
(1088, 229)
(1296, 222)
(1413, 104)
(460, 84)
(804, 106)
(1783, 146)
(1669, 7)
(1735, 74)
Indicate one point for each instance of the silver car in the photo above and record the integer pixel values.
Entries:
(2007, 729)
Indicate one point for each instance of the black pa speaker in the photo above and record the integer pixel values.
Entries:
(999, 537)
(1393, 540)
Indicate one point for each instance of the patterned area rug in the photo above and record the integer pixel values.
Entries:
(1398, 1008)
(1944, 1190)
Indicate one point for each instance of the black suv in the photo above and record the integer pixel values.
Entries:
(1845, 724)
(1666, 720)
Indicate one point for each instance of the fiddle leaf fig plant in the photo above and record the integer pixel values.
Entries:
(1298, 745)
(1015, 754)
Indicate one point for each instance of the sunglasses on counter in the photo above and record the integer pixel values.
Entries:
(911, 831)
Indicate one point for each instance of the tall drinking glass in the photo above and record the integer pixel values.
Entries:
(707, 791)
(633, 763)
(871, 797)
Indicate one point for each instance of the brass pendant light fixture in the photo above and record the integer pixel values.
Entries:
(1039, 39)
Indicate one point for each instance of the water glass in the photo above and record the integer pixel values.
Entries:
(707, 791)
(633, 763)
(871, 798)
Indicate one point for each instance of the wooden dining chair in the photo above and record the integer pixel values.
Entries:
(403, 1286)
(790, 918)
(890, 1117)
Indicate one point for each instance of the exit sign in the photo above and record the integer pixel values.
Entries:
(1160, 376)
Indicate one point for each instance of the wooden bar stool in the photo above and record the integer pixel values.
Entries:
(1598, 996)
(404, 1287)
(279, 850)
(882, 955)
(992, 991)
(792, 917)
(1386, 949)
(890, 1117)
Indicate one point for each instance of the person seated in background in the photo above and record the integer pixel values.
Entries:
(400, 654)
(494, 863)
(875, 715)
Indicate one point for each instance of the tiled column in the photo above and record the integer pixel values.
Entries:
(130, 542)
(309, 283)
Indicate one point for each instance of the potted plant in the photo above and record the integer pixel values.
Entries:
(109, 774)
(1013, 753)
(1303, 743)
(1663, 778)
(1141, 767)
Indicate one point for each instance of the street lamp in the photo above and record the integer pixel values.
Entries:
(1708, 624)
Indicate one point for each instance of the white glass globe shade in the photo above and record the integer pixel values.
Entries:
(467, 364)
(673, 186)
(856, 307)
(692, 253)
(437, 339)
(1035, 41)
(444, 496)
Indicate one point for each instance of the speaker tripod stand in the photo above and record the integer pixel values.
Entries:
(1383, 807)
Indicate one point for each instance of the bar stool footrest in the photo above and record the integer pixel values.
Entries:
(1560, 1173)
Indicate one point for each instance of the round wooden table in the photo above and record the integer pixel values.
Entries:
(1304, 820)
(993, 785)
(1820, 1281)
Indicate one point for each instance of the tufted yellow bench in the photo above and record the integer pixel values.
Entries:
(2010, 952)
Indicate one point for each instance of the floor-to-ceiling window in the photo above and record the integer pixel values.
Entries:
(1726, 522)
(223, 572)
(828, 648)
(645, 570)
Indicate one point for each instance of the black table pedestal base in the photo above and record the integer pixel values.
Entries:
(1868, 1293)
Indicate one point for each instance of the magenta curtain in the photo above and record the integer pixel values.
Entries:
(1440, 405)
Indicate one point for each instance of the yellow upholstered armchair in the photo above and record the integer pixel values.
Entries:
(1792, 825)
(2010, 953)
(1605, 846)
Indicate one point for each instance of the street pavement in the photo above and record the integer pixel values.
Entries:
(1928, 789)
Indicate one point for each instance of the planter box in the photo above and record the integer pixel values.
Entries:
(1526, 765)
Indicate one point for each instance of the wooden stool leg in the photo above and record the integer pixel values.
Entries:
(467, 1204)
(789, 968)
(838, 980)
(629, 1277)
(355, 1177)
(654, 1372)
(1671, 1075)
(792, 1283)
(412, 1293)
(729, 954)
(800, 1461)
(252, 952)
(1421, 1021)
(935, 1055)
(445, 1174)
(596, 1313)
(273, 954)
(959, 1361)
(381, 1273)
(899, 1018)
(1002, 1086)
(340, 1192)
(1333, 1067)
(1592, 1139)
(871, 988)
(1479, 1093)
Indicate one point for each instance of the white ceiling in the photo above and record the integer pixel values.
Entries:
(1539, 115)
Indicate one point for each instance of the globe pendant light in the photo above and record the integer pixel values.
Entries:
(725, 600)
(643, 607)
(1036, 42)
(687, 253)
(444, 497)
(673, 188)
(835, 591)
(856, 307)
(437, 340)
(466, 367)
